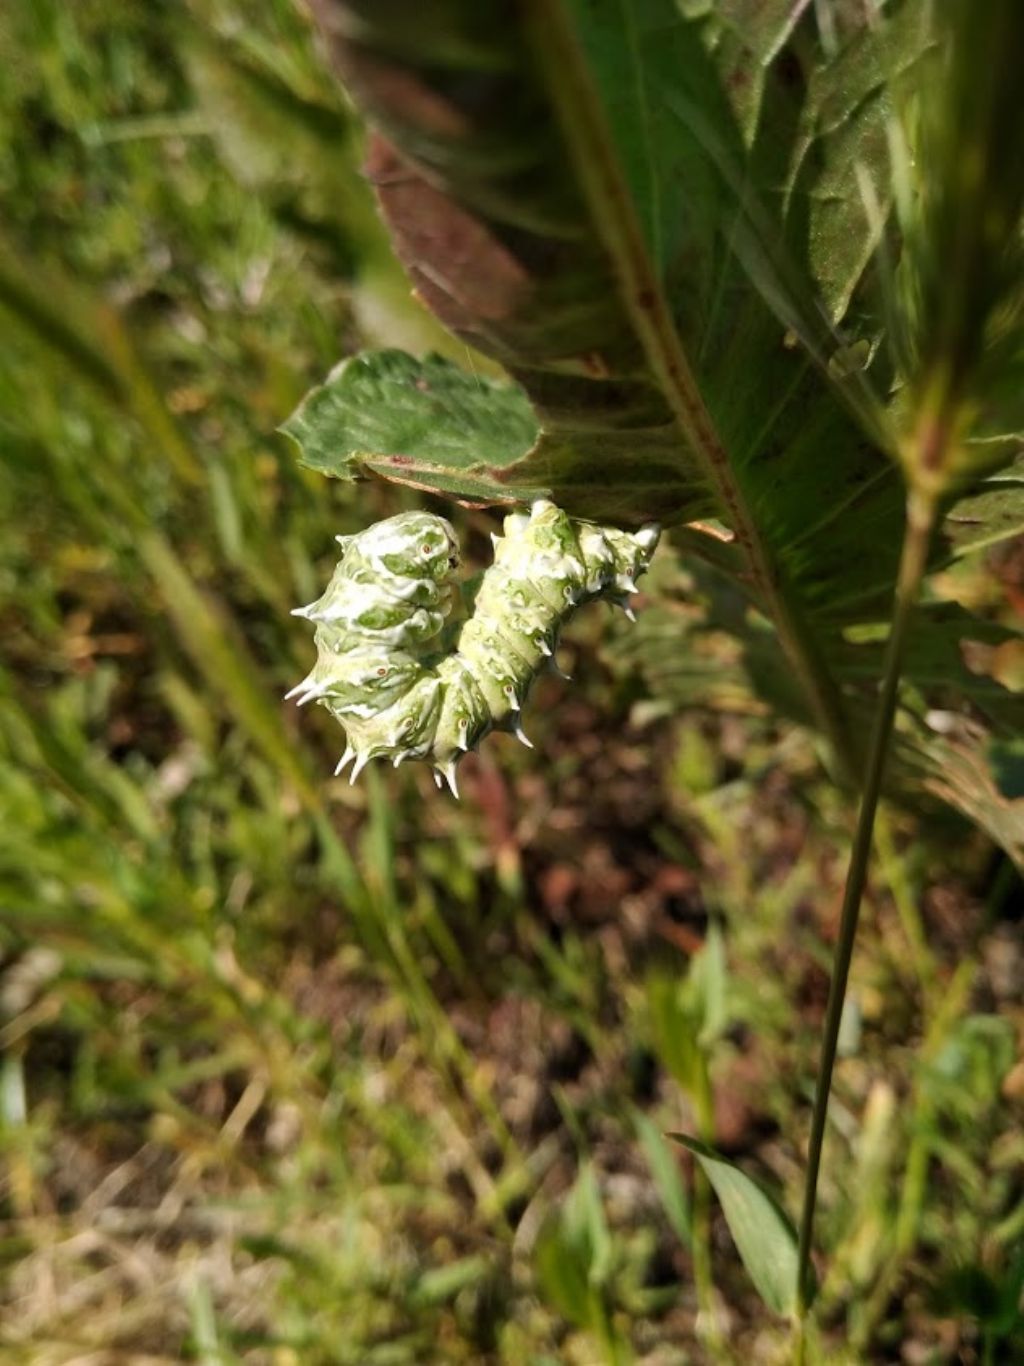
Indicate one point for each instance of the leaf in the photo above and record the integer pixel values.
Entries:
(675, 1018)
(425, 423)
(710, 975)
(841, 152)
(666, 1176)
(586, 1226)
(574, 1253)
(961, 273)
(993, 514)
(440, 1284)
(950, 651)
(1007, 760)
(561, 1279)
(764, 1236)
(746, 36)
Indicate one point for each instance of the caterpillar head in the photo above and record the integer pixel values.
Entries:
(632, 552)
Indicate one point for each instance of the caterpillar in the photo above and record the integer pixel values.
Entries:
(379, 668)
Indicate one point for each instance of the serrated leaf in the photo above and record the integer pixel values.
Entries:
(954, 755)
(425, 423)
(842, 142)
(960, 765)
(949, 652)
(764, 1236)
(529, 277)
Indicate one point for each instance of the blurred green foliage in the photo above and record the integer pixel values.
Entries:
(294, 1073)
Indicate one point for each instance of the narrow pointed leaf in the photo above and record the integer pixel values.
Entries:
(666, 1176)
(764, 1236)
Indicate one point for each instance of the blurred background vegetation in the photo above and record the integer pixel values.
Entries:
(299, 1073)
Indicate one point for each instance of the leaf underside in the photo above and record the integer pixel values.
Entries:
(424, 423)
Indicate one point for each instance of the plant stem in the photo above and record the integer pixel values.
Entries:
(913, 559)
(800, 1342)
(702, 1276)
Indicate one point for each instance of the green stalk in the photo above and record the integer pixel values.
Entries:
(917, 538)
(702, 1276)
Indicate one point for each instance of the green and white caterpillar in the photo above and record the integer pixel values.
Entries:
(379, 670)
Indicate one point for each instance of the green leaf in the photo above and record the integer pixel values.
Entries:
(961, 273)
(949, 748)
(948, 652)
(586, 1226)
(561, 1279)
(840, 161)
(442, 1283)
(1007, 760)
(764, 1236)
(710, 975)
(994, 514)
(425, 423)
(675, 1019)
(573, 1258)
(745, 37)
(666, 1176)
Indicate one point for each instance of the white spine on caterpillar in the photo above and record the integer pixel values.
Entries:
(378, 669)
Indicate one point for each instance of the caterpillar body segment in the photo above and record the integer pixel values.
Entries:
(379, 668)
